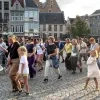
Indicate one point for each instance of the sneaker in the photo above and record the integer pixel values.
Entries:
(63, 61)
(45, 80)
(14, 90)
(59, 77)
(28, 94)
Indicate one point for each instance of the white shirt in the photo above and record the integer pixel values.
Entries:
(3, 44)
(23, 60)
(83, 47)
(39, 48)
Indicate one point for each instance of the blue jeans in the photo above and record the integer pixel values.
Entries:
(55, 61)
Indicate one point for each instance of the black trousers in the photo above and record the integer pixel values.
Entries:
(67, 61)
(73, 62)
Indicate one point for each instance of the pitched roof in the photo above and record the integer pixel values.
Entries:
(51, 18)
(97, 12)
(31, 3)
(20, 1)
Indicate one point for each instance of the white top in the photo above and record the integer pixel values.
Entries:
(83, 47)
(39, 48)
(94, 46)
(23, 60)
(93, 69)
(3, 45)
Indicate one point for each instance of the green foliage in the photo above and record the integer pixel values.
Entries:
(80, 28)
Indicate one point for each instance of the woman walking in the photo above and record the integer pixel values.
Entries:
(31, 57)
(68, 50)
(13, 61)
(39, 51)
(51, 59)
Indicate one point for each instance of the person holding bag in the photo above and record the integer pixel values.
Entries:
(51, 56)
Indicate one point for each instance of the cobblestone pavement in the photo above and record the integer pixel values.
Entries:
(70, 87)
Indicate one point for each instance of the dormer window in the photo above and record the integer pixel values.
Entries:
(16, 6)
(54, 19)
(49, 10)
(51, 6)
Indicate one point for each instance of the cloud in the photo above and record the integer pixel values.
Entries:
(64, 2)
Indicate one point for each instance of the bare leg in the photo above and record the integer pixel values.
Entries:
(87, 81)
(26, 84)
(96, 83)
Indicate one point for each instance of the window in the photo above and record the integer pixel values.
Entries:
(0, 27)
(49, 29)
(0, 17)
(44, 27)
(31, 14)
(36, 15)
(17, 28)
(26, 14)
(51, 6)
(0, 5)
(12, 28)
(49, 10)
(16, 16)
(61, 27)
(55, 36)
(5, 28)
(6, 16)
(55, 27)
(26, 27)
(16, 6)
(36, 26)
(31, 26)
(21, 16)
(6, 5)
(21, 28)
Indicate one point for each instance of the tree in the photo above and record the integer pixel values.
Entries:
(80, 28)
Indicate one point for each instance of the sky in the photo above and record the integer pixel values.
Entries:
(72, 8)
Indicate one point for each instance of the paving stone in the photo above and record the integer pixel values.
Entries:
(69, 88)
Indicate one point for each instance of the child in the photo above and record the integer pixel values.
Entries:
(23, 68)
(93, 70)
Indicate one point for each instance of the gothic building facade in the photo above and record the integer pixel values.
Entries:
(24, 19)
(52, 20)
(4, 15)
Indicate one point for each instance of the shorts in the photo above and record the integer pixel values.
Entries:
(25, 74)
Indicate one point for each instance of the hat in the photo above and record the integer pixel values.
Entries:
(1, 68)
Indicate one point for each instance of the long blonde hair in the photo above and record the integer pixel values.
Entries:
(23, 49)
(13, 37)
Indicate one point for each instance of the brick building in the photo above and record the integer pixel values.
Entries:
(48, 6)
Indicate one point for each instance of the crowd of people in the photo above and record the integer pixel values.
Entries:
(27, 57)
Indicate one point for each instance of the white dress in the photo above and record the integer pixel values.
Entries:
(23, 60)
(93, 70)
